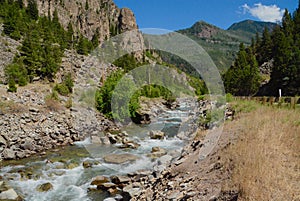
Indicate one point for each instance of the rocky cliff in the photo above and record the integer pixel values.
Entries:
(89, 15)
(31, 122)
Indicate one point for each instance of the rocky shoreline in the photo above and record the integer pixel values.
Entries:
(174, 178)
(30, 125)
(37, 129)
(184, 178)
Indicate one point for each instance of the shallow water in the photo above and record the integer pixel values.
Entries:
(71, 180)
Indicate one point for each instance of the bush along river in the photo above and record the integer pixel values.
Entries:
(102, 166)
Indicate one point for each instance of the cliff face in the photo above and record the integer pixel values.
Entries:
(89, 15)
(86, 16)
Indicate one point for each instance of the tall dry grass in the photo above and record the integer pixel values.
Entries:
(266, 156)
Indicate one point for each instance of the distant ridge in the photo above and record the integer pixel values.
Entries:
(222, 45)
(252, 26)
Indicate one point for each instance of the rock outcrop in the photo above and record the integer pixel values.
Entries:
(87, 16)
(8, 49)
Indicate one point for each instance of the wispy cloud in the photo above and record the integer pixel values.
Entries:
(271, 13)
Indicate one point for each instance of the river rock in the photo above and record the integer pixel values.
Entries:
(44, 187)
(119, 158)
(105, 140)
(88, 163)
(9, 154)
(106, 186)
(10, 195)
(129, 144)
(95, 140)
(131, 191)
(157, 152)
(120, 179)
(165, 160)
(112, 138)
(28, 144)
(35, 110)
(99, 180)
(157, 134)
(72, 165)
(2, 141)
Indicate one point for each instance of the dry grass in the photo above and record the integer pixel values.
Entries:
(53, 105)
(11, 107)
(266, 157)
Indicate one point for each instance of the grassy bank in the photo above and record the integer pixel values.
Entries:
(265, 160)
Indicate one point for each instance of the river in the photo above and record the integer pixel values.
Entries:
(70, 180)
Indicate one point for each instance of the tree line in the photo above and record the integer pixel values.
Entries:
(281, 47)
(43, 42)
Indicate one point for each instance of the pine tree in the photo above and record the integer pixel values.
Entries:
(95, 40)
(20, 4)
(266, 47)
(243, 77)
(32, 10)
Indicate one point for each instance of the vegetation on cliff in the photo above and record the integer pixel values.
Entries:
(43, 42)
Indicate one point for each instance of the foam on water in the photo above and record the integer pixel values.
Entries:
(72, 184)
(87, 141)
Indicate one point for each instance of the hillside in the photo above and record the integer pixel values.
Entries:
(251, 26)
(222, 45)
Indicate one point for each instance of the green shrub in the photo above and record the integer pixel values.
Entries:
(66, 87)
(104, 94)
(62, 89)
(229, 97)
(69, 82)
(16, 72)
(12, 86)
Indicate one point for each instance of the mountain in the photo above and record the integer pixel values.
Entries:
(222, 45)
(251, 26)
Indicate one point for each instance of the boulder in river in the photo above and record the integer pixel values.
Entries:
(119, 158)
(117, 179)
(44, 187)
(7, 193)
(10, 194)
(157, 152)
(106, 186)
(157, 134)
(99, 180)
(89, 163)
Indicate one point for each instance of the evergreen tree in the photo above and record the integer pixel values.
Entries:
(32, 10)
(84, 46)
(265, 49)
(243, 77)
(95, 40)
(20, 4)
(70, 36)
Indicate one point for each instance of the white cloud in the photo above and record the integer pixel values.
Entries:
(265, 13)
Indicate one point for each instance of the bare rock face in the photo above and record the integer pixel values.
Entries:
(127, 20)
(89, 15)
(8, 49)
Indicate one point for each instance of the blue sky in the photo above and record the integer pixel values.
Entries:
(179, 14)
